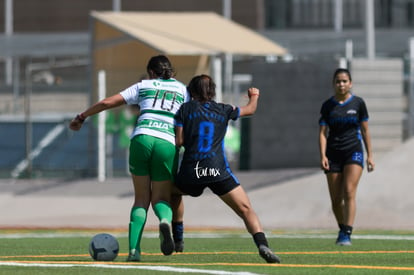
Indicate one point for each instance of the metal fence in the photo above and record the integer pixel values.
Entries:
(35, 111)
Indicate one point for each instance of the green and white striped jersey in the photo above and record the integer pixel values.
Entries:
(159, 100)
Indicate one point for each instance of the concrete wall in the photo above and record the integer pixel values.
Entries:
(284, 131)
(64, 15)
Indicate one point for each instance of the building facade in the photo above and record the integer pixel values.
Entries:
(69, 16)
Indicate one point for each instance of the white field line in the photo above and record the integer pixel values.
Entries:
(205, 235)
(155, 268)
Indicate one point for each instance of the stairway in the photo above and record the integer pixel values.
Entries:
(380, 83)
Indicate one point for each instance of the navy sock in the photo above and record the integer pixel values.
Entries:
(178, 231)
(348, 229)
(260, 239)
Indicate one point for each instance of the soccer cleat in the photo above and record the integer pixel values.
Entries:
(167, 242)
(134, 256)
(343, 238)
(267, 254)
(179, 246)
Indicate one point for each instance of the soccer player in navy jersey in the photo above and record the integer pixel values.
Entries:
(200, 126)
(343, 129)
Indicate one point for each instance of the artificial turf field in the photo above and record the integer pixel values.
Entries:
(220, 252)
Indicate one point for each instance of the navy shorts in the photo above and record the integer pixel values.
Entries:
(338, 159)
(219, 188)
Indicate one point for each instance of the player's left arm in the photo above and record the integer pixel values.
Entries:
(366, 136)
(251, 106)
(323, 133)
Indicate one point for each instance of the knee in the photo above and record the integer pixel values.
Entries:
(161, 197)
(350, 192)
(349, 195)
(337, 202)
(244, 210)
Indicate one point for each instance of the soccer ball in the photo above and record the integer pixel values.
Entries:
(104, 247)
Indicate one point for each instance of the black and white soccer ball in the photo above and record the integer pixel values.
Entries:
(104, 247)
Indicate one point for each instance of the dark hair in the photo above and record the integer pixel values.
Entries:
(202, 88)
(161, 67)
(342, 71)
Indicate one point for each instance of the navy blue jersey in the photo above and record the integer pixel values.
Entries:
(344, 121)
(204, 127)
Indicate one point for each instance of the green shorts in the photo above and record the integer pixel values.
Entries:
(153, 156)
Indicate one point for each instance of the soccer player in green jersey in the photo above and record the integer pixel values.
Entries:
(152, 152)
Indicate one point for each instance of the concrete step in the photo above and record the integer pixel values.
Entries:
(386, 117)
(383, 90)
(385, 145)
(385, 104)
(364, 76)
(386, 131)
(376, 64)
(377, 71)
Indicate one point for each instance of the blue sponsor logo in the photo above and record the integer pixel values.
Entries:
(343, 120)
(201, 156)
(358, 157)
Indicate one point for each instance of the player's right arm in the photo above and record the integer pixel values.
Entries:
(104, 104)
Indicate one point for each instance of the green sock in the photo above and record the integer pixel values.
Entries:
(136, 225)
(163, 211)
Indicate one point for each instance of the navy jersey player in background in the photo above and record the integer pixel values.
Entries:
(343, 128)
(200, 126)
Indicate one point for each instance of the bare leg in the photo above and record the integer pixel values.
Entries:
(342, 189)
(142, 191)
(336, 192)
(161, 191)
(352, 174)
(238, 201)
(177, 205)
